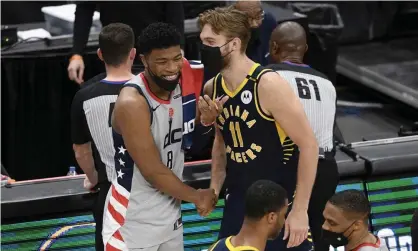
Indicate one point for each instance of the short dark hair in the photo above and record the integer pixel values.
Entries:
(158, 36)
(263, 197)
(116, 40)
(351, 201)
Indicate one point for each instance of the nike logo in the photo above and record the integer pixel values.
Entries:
(155, 108)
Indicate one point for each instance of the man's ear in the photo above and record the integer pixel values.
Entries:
(236, 43)
(275, 47)
(271, 218)
(99, 54)
(132, 54)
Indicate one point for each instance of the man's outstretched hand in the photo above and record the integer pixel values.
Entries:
(209, 109)
(296, 227)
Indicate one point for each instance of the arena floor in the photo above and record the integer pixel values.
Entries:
(393, 202)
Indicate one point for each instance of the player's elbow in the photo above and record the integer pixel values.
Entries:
(82, 151)
(152, 174)
(308, 144)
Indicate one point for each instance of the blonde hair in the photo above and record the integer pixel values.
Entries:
(229, 21)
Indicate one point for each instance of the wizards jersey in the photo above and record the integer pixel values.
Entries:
(256, 146)
(136, 214)
(226, 245)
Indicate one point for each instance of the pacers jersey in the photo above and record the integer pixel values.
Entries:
(226, 245)
(256, 146)
(137, 215)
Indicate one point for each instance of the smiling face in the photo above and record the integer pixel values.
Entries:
(164, 63)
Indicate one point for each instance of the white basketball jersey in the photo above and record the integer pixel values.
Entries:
(318, 97)
(380, 245)
(150, 217)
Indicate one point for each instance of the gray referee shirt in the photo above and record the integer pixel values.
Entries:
(318, 97)
(90, 122)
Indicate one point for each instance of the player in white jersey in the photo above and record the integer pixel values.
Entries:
(346, 223)
(142, 209)
(90, 116)
(318, 97)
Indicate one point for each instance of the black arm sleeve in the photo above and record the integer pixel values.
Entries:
(82, 24)
(174, 14)
(80, 132)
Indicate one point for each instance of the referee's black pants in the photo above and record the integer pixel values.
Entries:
(326, 182)
(98, 210)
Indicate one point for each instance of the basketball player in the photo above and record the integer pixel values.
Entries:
(90, 116)
(318, 97)
(346, 223)
(258, 130)
(142, 210)
(265, 211)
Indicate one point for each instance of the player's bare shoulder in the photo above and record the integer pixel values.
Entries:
(273, 90)
(128, 103)
(271, 79)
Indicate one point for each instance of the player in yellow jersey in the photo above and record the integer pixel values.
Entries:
(261, 133)
(265, 211)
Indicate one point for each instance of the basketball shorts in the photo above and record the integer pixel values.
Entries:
(175, 243)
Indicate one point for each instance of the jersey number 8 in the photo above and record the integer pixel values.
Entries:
(170, 159)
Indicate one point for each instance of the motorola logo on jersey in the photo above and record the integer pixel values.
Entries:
(246, 97)
(174, 135)
(232, 119)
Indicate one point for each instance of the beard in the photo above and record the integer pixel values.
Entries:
(226, 60)
(275, 232)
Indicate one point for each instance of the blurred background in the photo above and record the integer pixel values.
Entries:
(368, 49)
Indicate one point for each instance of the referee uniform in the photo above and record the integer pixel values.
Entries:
(318, 97)
(91, 122)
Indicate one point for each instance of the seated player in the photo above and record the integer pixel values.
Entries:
(346, 223)
(266, 205)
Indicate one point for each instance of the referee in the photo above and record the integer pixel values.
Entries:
(91, 111)
(318, 97)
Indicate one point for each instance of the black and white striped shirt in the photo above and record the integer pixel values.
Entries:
(317, 95)
(91, 122)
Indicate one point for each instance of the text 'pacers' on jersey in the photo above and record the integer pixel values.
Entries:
(256, 146)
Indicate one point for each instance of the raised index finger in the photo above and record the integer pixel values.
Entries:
(212, 105)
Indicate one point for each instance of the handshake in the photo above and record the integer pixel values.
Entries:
(206, 201)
